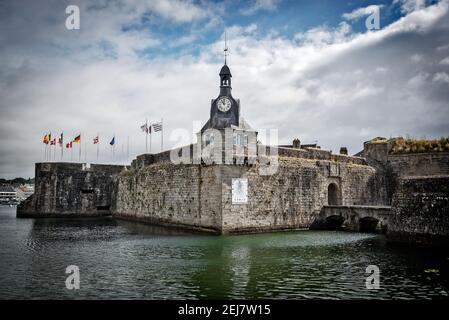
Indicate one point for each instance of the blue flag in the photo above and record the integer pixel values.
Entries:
(112, 141)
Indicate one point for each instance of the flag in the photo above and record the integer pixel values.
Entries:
(112, 141)
(60, 140)
(157, 127)
(149, 130)
(45, 139)
(144, 128)
(77, 139)
(68, 145)
(96, 140)
(53, 142)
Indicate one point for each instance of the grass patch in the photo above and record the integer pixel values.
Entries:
(411, 145)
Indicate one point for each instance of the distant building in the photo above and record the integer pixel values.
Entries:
(24, 191)
(7, 194)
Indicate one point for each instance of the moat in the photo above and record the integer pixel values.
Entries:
(127, 260)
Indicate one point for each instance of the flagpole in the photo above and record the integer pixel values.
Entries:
(162, 134)
(113, 148)
(49, 151)
(150, 132)
(71, 152)
(98, 145)
(146, 135)
(62, 145)
(79, 157)
(85, 150)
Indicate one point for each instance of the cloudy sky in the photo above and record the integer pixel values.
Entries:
(308, 68)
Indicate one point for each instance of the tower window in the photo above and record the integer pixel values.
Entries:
(240, 140)
(209, 139)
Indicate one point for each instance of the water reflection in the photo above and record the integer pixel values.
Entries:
(122, 259)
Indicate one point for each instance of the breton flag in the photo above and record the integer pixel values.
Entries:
(69, 145)
(77, 138)
(96, 140)
(112, 141)
(144, 128)
(157, 126)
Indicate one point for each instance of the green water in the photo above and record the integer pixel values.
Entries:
(126, 260)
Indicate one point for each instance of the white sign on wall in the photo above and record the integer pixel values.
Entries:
(239, 190)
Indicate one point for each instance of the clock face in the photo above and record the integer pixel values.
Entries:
(224, 104)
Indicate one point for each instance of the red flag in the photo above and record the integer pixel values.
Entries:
(96, 140)
(53, 142)
(68, 145)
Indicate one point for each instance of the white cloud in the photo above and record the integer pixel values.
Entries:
(408, 6)
(323, 35)
(419, 79)
(441, 77)
(445, 61)
(179, 11)
(260, 5)
(362, 12)
(416, 58)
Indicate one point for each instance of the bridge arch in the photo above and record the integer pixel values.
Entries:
(368, 224)
(334, 222)
(333, 195)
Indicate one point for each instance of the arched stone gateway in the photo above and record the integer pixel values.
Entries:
(333, 195)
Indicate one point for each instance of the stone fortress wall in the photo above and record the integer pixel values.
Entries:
(200, 196)
(421, 211)
(70, 189)
(309, 182)
(416, 185)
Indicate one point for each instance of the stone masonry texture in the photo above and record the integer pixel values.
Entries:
(70, 189)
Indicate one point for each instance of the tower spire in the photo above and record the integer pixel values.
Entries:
(225, 50)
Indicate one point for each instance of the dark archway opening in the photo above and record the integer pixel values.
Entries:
(333, 195)
(368, 224)
(334, 223)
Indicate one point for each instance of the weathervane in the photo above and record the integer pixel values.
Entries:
(226, 49)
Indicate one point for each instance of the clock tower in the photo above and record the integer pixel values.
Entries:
(225, 110)
(226, 137)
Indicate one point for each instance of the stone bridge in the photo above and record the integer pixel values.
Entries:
(354, 218)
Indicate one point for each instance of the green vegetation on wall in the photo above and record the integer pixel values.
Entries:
(401, 145)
